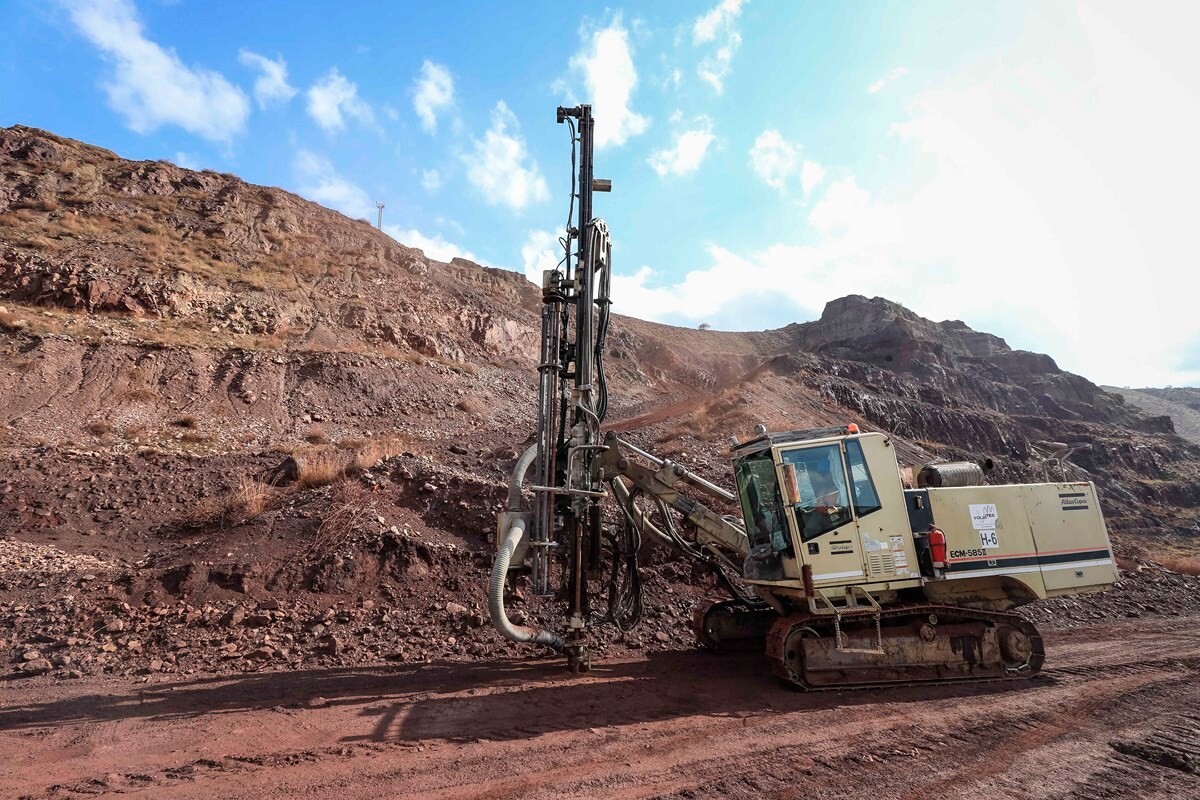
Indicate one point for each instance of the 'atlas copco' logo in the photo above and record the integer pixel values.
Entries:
(1074, 501)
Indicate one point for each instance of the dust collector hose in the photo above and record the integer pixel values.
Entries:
(518, 477)
(515, 633)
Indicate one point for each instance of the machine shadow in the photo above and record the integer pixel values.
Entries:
(288, 689)
(496, 700)
(664, 686)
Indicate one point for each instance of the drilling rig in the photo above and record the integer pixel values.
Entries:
(844, 575)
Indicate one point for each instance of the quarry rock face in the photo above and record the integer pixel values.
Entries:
(273, 436)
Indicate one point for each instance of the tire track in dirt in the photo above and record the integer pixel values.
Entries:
(687, 405)
(682, 725)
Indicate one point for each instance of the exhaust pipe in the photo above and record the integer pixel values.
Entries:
(514, 633)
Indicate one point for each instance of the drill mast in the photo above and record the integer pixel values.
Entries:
(573, 397)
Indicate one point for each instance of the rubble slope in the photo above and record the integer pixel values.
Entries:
(242, 431)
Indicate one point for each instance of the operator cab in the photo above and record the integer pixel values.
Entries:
(810, 497)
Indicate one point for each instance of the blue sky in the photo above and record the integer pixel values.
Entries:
(1026, 167)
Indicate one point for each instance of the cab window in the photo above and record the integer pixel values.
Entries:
(762, 507)
(824, 501)
(866, 500)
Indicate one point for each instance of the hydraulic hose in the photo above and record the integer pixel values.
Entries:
(514, 633)
(518, 477)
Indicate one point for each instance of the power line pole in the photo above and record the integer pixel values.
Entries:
(379, 224)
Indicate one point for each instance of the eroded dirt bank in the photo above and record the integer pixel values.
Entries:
(1114, 715)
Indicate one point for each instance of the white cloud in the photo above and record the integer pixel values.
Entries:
(446, 222)
(606, 64)
(541, 251)
(811, 175)
(779, 164)
(434, 247)
(433, 92)
(187, 161)
(715, 20)
(271, 86)
(431, 180)
(320, 182)
(892, 75)
(1034, 209)
(150, 86)
(718, 26)
(687, 153)
(499, 167)
(333, 98)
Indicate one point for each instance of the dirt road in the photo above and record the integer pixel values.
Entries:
(1115, 714)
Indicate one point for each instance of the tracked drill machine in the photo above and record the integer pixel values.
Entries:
(844, 575)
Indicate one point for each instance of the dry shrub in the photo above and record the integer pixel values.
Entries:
(1182, 564)
(320, 467)
(10, 322)
(186, 421)
(253, 498)
(134, 432)
(80, 225)
(245, 501)
(326, 464)
(349, 504)
(46, 205)
(472, 406)
(25, 364)
(374, 451)
(195, 437)
(139, 393)
(316, 435)
(98, 428)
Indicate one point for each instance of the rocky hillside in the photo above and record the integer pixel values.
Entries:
(221, 394)
(1181, 404)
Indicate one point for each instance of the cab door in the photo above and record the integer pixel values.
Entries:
(822, 515)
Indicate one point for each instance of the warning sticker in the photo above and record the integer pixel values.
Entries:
(984, 516)
(897, 542)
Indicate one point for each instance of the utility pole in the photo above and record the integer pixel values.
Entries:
(379, 224)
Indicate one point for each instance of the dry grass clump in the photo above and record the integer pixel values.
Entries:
(25, 364)
(45, 205)
(374, 451)
(316, 435)
(320, 467)
(245, 501)
(139, 393)
(326, 464)
(349, 504)
(10, 322)
(186, 421)
(98, 428)
(471, 406)
(195, 437)
(1182, 564)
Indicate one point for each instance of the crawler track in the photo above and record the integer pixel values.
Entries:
(962, 645)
